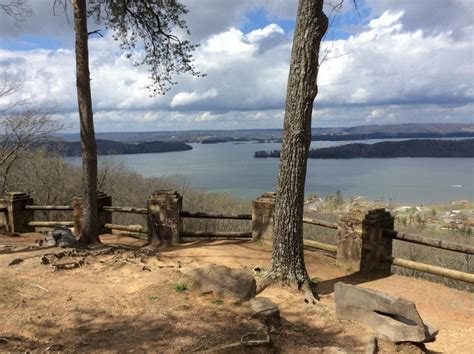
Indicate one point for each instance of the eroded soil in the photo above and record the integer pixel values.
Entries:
(123, 298)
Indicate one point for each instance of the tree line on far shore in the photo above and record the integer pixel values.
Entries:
(384, 149)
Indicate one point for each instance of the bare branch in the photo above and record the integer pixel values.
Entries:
(95, 32)
(19, 10)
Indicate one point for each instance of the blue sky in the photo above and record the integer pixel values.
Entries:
(389, 63)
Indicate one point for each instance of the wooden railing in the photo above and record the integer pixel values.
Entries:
(215, 234)
(49, 208)
(106, 211)
(411, 238)
(203, 215)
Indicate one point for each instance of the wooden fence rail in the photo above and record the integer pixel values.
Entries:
(428, 268)
(202, 215)
(48, 207)
(215, 234)
(130, 228)
(130, 210)
(427, 241)
(320, 245)
(50, 223)
(330, 225)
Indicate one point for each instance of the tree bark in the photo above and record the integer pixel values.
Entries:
(90, 229)
(287, 255)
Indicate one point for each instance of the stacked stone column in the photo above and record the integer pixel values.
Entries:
(164, 220)
(17, 217)
(263, 209)
(361, 245)
(104, 217)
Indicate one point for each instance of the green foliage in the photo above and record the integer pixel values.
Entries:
(180, 287)
(218, 302)
(153, 27)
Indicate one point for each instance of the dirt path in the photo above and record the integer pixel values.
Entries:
(126, 300)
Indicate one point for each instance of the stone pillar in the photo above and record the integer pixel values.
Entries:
(263, 209)
(77, 215)
(18, 217)
(3, 215)
(105, 217)
(164, 220)
(361, 245)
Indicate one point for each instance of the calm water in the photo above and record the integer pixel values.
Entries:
(231, 168)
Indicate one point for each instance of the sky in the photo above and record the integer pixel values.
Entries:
(387, 62)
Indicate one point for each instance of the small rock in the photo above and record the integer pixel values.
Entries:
(48, 240)
(265, 309)
(372, 346)
(16, 261)
(55, 347)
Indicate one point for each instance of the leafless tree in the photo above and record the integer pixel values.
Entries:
(21, 125)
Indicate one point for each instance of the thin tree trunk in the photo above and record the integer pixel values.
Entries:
(90, 227)
(287, 254)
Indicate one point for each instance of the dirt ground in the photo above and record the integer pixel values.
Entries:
(125, 299)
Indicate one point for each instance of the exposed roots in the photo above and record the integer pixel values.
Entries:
(265, 281)
(305, 286)
(156, 246)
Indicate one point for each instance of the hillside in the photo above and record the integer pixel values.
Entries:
(386, 149)
(363, 132)
(109, 147)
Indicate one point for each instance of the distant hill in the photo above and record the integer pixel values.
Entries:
(385, 149)
(363, 132)
(108, 147)
(397, 131)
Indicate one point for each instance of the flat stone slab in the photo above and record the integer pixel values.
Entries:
(220, 280)
(394, 319)
(265, 309)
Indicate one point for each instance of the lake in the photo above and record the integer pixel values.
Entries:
(231, 168)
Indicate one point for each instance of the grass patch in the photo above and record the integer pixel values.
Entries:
(315, 280)
(218, 302)
(180, 287)
(153, 298)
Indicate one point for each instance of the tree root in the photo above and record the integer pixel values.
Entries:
(306, 286)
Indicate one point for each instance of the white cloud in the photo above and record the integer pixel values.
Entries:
(185, 98)
(262, 33)
(389, 71)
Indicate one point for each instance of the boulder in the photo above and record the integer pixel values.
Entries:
(60, 236)
(64, 237)
(220, 280)
(394, 319)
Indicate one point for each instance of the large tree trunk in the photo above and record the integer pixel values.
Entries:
(90, 229)
(287, 255)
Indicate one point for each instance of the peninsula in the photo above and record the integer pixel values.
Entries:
(109, 147)
(386, 149)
